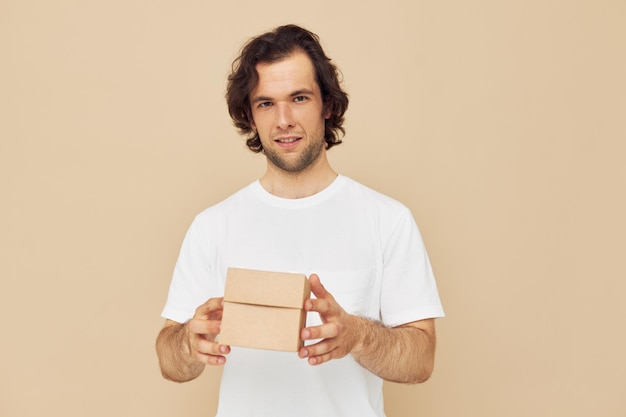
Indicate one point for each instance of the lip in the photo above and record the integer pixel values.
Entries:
(287, 141)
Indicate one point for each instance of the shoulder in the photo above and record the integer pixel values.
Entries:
(228, 206)
(388, 216)
(373, 199)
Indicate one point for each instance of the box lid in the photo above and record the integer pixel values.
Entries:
(278, 289)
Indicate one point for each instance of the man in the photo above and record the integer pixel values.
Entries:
(372, 317)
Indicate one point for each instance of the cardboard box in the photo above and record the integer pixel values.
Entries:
(264, 310)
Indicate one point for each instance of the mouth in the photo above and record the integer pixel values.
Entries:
(287, 140)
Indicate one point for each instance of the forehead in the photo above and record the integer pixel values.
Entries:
(290, 74)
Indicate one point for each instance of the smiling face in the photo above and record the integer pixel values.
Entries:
(288, 114)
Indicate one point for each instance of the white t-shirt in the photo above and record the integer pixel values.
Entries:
(368, 253)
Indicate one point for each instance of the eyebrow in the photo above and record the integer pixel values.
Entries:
(302, 91)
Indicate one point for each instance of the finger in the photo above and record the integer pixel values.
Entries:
(321, 352)
(320, 305)
(205, 327)
(204, 346)
(316, 286)
(208, 352)
(209, 309)
(324, 331)
(320, 348)
(210, 359)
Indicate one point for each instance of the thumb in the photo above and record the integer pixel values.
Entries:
(316, 287)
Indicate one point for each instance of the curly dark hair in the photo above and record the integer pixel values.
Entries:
(272, 47)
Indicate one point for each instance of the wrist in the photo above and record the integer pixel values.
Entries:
(364, 333)
(184, 335)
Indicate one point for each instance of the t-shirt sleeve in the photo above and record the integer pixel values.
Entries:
(409, 291)
(189, 287)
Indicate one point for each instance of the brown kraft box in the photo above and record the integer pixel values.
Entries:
(263, 309)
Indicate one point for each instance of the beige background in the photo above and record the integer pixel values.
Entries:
(501, 124)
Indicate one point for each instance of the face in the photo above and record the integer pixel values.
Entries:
(288, 113)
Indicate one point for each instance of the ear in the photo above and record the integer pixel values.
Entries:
(328, 111)
(250, 119)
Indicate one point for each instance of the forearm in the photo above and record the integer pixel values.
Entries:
(174, 354)
(400, 354)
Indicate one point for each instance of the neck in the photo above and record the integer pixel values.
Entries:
(300, 184)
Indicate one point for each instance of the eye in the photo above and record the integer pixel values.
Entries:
(264, 104)
(300, 99)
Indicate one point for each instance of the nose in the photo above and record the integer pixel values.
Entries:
(284, 116)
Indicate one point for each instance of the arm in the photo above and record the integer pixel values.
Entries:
(400, 354)
(185, 348)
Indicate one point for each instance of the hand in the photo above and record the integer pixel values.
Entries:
(202, 330)
(338, 331)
